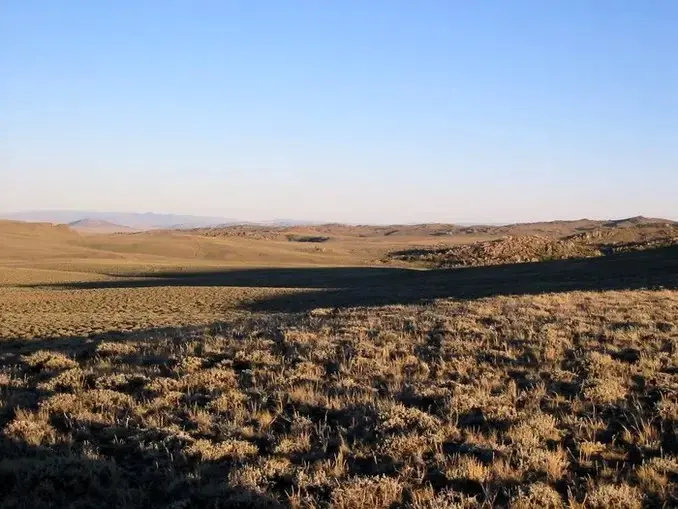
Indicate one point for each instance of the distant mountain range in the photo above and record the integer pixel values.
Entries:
(137, 221)
(127, 221)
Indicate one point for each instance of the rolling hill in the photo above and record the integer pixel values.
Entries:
(89, 225)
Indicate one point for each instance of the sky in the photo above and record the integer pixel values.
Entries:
(377, 111)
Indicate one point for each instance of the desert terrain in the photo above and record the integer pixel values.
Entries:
(426, 366)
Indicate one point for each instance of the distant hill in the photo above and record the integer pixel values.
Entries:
(630, 222)
(622, 230)
(136, 221)
(153, 221)
(141, 221)
(32, 241)
(556, 240)
(89, 225)
(433, 245)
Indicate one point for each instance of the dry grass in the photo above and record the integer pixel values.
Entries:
(41, 313)
(181, 395)
(563, 400)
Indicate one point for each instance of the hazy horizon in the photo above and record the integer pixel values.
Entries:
(65, 216)
(356, 112)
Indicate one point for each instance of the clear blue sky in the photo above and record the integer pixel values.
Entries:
(370, 111)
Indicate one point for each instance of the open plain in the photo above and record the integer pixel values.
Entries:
(340, 366)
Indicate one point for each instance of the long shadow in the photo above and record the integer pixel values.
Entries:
(363, 286)
(303, 277)
(651, 269)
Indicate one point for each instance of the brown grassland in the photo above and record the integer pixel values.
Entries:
(309, 368)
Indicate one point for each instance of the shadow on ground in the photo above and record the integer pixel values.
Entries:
(340, 287)
(104, 465)
(39, 476)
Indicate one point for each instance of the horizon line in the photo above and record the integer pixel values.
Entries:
(305, 222)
